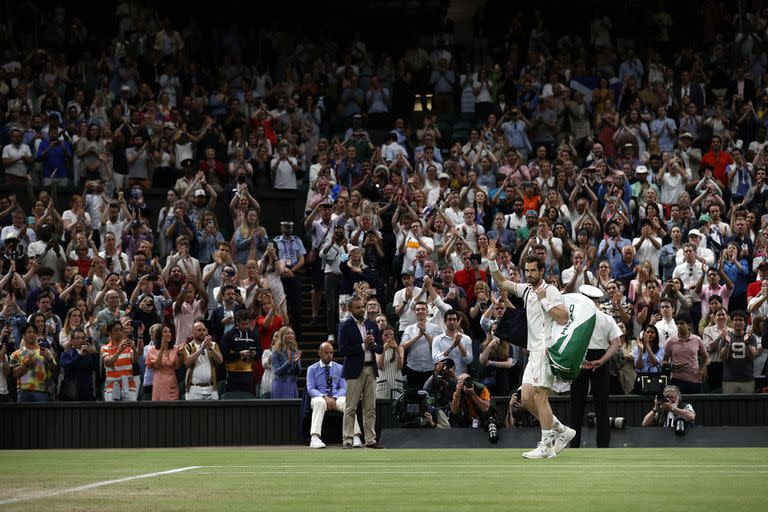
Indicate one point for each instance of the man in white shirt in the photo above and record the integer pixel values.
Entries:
(413, 241)
(417, 342)
(577, 275)
(703, 254)
(403, 301)
(595, 373)
(648, 246)
(16, 158)
(453, 343)
(201, 355)
(667, 326)
(544, 308)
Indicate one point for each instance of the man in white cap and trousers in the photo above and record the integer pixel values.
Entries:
(604, 342)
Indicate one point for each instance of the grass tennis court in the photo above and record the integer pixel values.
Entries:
(299, 479)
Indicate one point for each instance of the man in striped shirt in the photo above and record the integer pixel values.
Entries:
(118, 356)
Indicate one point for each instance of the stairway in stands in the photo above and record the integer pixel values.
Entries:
(312, 335)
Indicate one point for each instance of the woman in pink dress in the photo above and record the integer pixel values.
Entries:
(164, 359)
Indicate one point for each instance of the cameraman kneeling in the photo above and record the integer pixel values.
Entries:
(471, 407)
(668, 409)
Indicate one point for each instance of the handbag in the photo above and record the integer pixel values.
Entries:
(651, 383)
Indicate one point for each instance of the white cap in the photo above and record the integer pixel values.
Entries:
(694, 232)
(641, 169)
(593, 292)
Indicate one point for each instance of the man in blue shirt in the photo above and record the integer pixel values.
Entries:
(56, 156)
(291, 251)
(327, 391)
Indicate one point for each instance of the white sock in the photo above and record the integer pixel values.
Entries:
(557, 426)
(547, 437)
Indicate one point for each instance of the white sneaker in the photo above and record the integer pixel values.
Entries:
(331, 338)
(316, 443)
(542, 451)
(563, 440)
(357, 443)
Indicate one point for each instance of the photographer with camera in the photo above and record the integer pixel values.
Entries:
(471, 407)
(670, 411)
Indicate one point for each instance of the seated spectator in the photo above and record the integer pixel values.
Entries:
(327, 391)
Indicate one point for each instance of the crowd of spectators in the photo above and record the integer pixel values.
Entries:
(635, 166)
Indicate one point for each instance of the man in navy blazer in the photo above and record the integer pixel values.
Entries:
(359, 342)
(327, 391)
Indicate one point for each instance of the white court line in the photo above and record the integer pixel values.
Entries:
(59, 492)
(515, 465)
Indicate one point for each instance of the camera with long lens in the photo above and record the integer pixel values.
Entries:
(493, 431)
(411, 407)
(616, 423)
(679, 426)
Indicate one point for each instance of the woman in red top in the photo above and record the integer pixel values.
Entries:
(269, 319)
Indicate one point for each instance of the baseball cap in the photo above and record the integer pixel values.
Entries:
(686, 135)
(694, 232)
(704, 217)
(641, 169)
(199, 193)
(593, 292)
(443, 176)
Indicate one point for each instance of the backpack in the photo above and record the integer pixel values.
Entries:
(513, 325)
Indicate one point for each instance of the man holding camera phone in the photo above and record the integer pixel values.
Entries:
(118, 357)
(544, 307)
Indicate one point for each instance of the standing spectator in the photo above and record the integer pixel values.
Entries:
(240, 348)
(738, 350)
(79, 362)
(290, 249)
(284, 169)
(16, 158)
(717, 160)
(686, 357)
(118, 357)
(443, 81)
(30, 365)
(359, 341)
(164, 359)
(664, 129)
(138, 163)
(201, 358)
(417, 342)
(390, 384)
(56, 155)
(286, 364)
